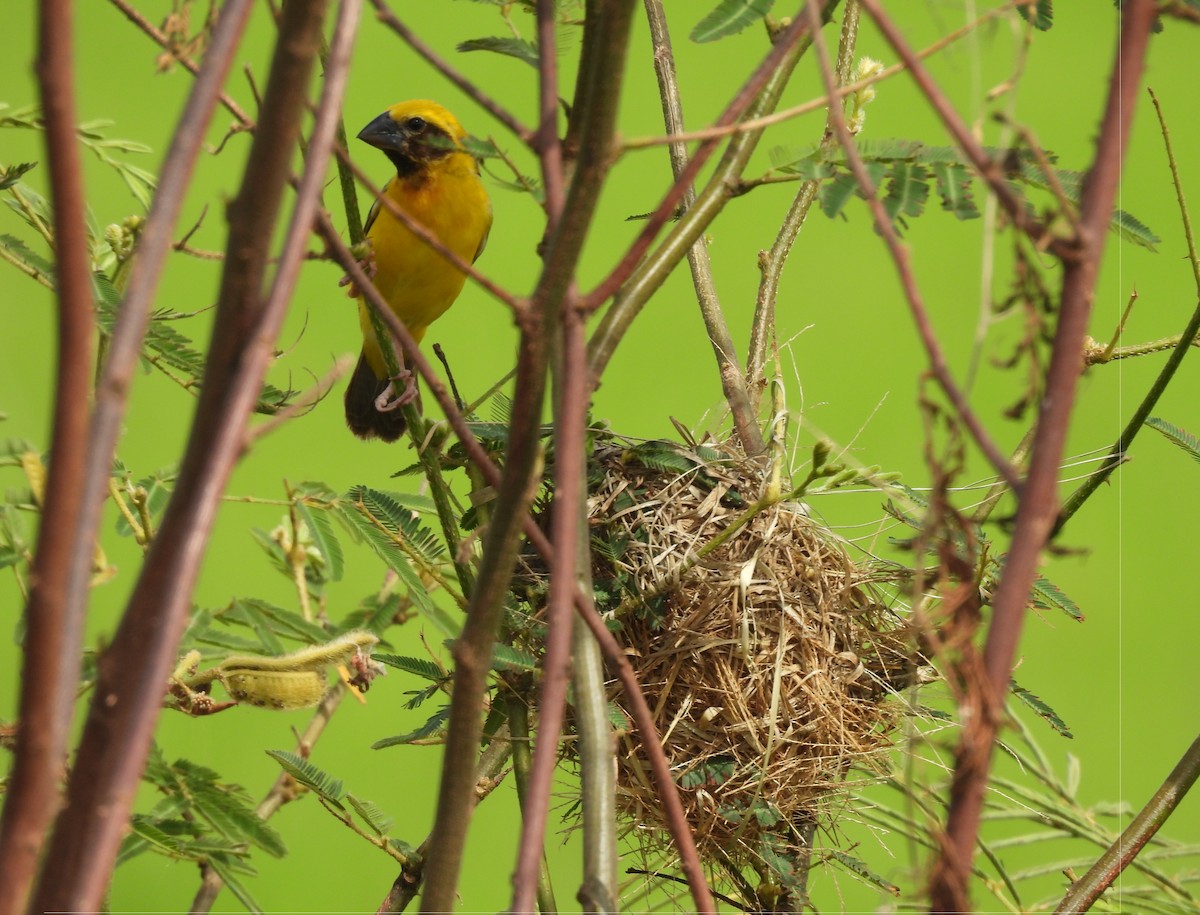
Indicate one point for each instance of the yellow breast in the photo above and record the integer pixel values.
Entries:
(417, 281)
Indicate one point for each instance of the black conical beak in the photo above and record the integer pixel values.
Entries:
(383, 133)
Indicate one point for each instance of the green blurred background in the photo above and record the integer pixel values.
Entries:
(1124, 680)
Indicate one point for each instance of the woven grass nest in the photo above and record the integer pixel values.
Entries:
(767, 663)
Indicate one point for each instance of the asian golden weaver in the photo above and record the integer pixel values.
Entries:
(437, 184)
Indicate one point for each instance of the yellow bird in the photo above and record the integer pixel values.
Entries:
(437, 184)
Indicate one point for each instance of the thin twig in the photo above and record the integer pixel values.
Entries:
(54, 614)
(117, 735)
(899, 253)
(215, 47)
(817, 104)
(489, 771)
(762, 326)
(1095, 353)
(783, 49)
(494, 108)
(518, 724)
(1037, 507)
(989, 170)
(733, 380)
(304, 402)
(1188, 338)
(1141, 829)
(570, 407)
(648, 275)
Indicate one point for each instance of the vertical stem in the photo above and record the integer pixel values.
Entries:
(518, 724)
(607, 29)
(116, 738)
(733, 381)
(54, 613)
(1117, 454)
(1038, 505)
(763, 326)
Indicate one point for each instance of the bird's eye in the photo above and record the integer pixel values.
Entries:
(416, 125)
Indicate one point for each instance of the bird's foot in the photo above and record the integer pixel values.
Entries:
(390, 400)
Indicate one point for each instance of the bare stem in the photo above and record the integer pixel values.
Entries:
(773, 69)
(763, 326)
(607, 33)
(639, 278)
(899, 253)
(1116, 455)
(1038, 501)
(501, 114)
(121, 720)
(733, 381)
(1141, 829)
(54, 614)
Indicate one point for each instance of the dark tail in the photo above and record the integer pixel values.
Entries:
(361, 416)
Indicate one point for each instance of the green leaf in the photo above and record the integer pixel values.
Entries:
(1047, 596)
(148, 835)
(329, 788)
(11, 174)
(1180, 437)
(1133, 230)
(517, 48)
(505, 657)
(272, 623)
(225, 869)
(660, 455)
(711, 772)
(393, 513)
(835, 193)
(954, 187)
(390, 529)
(907, 190)
(729, 18)
(859, 869)
(1042, 709)
(375, 818)
(321, 531)
(782, 863)
(421, 667)
(20, 252)
(435, 725)
(1040, 13)
(373, 613)
(232, 817)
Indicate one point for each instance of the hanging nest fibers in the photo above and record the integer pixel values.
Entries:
(766, 659)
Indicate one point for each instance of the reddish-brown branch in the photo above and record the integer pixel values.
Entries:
(498, 111)
(54, 613)
(883, 224)
(1038, 504)
(546, 141)
(128, 693)
(570, 430)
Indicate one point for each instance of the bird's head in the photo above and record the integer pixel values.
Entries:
(414, 134)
